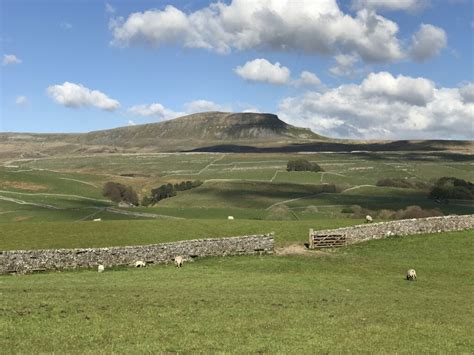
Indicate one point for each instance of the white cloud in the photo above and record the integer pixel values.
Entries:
(160, 112)
(390, 5)
(65, 25)
(77, 95)
(262, 70)
(375, 109)
(131, 123)
(414, 91)
(344, 65)
(203, 106)
(467, 93)
(109, 9)
(10, 59)
(251, 110)
(21, 101)
(308, 78)
(156, 110)
(428, 42)
(304, 26)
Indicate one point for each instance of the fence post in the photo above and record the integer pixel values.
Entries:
(311, 241)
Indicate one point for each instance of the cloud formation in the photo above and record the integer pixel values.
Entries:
(307, 78)
(204, 106)
(156, 110)
(305, 26)
(21, 101)
(10, 59)
(390, 5)
(160, 112)
(385, 107)
(428, 42)
(77, 96)
(262, 70)
(344, 65)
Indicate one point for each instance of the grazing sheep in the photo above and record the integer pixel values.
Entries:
(140, 263)
(230, 217)
(368, 219)
(178, 260)
(97, 219)
(100, 268)
(411, 275)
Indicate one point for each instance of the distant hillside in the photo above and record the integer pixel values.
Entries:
(207, 131)
(207, 127)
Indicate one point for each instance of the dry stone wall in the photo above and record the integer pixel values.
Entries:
(24, 261)
(364, 232)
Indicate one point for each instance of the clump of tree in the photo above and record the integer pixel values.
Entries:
(120, 193)
(302, 165)
(168, 190)
(452, 188)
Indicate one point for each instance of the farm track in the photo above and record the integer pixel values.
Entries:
(21, 202)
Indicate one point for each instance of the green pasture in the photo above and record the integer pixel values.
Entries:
(244, 185)
(353, 300)
(49, 235)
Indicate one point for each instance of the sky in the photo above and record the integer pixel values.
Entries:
(363, 69)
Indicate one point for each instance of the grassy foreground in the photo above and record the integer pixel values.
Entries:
(351, 300)
(49, 235)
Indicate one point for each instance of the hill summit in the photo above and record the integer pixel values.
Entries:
(205, 127)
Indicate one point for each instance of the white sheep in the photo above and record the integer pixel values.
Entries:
(411, 275)
(368, 219)
(97, 219)
(230, 217)
(140, 263)
(100, 268)
(178, 260)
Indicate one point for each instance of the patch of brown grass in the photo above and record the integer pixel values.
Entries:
(21, 218)
(21, 185)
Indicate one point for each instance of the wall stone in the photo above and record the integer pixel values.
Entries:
(364, 232)
(25, 261)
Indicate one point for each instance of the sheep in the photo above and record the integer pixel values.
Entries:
(178, 260)
(411, 275)
(230, 217)
(100, 268)
(368, 219)
(140, 263)
(97, 219)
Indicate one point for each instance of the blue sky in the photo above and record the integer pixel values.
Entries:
(372, 68)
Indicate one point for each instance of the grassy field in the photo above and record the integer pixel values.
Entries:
(49, 235)
(352, 300)
(244, 185)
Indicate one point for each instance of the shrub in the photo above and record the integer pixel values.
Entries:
(395, 182)
(417, 212)
(302, 165)
(452, 188)
(386, 214)
(120, 193)
(347, 210)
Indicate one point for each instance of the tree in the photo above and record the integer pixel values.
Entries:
(452, 188)
(120, 193)
(302, 165)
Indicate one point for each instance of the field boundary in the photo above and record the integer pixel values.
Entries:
(364, 232)
(29, 261)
